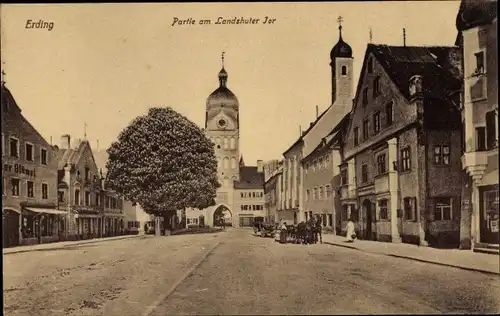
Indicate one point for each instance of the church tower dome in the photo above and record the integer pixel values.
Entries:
(222, 96)
(341, 49)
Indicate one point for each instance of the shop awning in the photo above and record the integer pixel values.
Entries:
(46, 211)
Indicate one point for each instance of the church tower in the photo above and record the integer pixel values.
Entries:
(222, 128)
(342, 70)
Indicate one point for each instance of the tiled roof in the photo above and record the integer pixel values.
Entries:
(333, 138)
(250, 179)
(70, 156)
(475, 12)
(306, 131)
(438, 66)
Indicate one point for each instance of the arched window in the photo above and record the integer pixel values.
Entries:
(77, 197)
(226, 182)
(218, 163)
(344, 70)
(226, 163)
(226, 143)
(233, 163)
(232, 143)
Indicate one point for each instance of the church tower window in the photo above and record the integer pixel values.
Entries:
(226, 143)
(233, 163)
(344, 70)
(232, 143)
(226, 163)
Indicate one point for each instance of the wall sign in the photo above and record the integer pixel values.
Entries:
(20, 169)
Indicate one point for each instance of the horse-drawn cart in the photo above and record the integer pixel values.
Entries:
(263, 229)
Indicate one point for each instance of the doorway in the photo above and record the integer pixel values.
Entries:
(10, 227)
(489, 214)
(367, 210)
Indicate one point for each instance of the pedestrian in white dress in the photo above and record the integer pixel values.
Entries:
(351, 232)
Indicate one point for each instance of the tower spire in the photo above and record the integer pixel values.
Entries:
(339, 21)
(370, 35)
(3, 77)
(85, 130)
(222, 59)
(222, 72)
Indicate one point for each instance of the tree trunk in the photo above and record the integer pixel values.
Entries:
(157, 226)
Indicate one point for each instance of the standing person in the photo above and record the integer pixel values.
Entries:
(351, 232)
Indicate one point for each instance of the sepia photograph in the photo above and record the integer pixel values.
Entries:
(259, 158)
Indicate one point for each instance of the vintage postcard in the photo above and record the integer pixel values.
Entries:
(262, 158)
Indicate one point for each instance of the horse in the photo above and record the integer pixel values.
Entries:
(301, 233)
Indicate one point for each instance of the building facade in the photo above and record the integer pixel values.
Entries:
(322, 178)
(29, 174)
(241, 196)
(401, 160)
(92, 210)
(273, 181)
(477, 27)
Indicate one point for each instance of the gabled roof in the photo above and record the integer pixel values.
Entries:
(71, 156)
(101, 158)
(334, 138)
(439, 67)
(250, 179)
(301, 138)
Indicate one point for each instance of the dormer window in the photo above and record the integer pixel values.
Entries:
(479, 63)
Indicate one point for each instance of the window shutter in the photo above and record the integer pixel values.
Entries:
(490, 130)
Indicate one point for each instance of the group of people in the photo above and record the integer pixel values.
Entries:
(310, 231)
(305, 232)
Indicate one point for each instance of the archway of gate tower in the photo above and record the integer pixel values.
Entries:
(222, 216)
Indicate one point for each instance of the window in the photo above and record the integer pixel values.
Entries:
(409, 214)
(225, 162)
(30, 188)
(480, 138)
(15, 186)
(315, 193)
(491, 127)
(232, 143)
(376, 87)
(330, 220)
(405, 159)
(364, 173)
(14, 147)
(376, 122)
(226, 143)
(87, 198)
(233, 163)
(308, 195)
(29, 154)
(442, 209)
(356, 136)
(97, 200)
(77, 197)
(328, 191)
(382, 206)
(87, 173)
(241, 194)
(442, 155)
(365, 96)
(45, 191)
(43, 156)
(381, 164)
(344, 70)
(479, 63)
(365, 129)
(370, 66)
(343, 177)
(389, 114)
(321, 193)
(60, 196)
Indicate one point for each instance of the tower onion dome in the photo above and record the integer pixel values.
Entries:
(341, 49)
(222, 96)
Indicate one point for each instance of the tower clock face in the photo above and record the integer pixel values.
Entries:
(222, 123)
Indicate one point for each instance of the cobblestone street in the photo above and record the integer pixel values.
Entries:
(242, 275)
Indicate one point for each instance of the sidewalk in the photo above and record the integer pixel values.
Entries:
(63, 244)
(463, 259)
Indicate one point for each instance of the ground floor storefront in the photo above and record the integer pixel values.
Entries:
(90, 226)
(30, 225)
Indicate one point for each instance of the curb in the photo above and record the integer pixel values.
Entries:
(56, 247)
(416, 259)
(444, 264)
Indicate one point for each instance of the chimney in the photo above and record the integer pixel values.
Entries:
(260, 166)
(317, 112)
(65, 141)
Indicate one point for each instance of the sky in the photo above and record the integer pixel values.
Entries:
(105, 64)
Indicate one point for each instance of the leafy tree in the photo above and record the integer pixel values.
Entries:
(164, 162)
